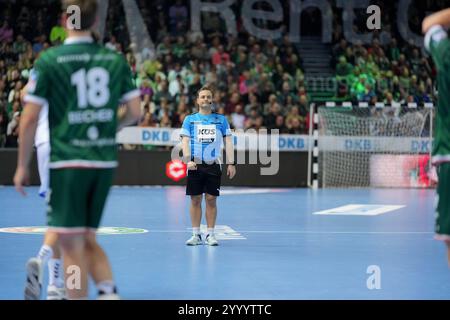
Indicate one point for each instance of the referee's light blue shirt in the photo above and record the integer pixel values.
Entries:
(206, 134)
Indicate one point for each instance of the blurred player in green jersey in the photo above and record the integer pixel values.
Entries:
(438, 44)
(83, 84)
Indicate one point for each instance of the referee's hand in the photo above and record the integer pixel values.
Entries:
(191, 165)
(231, 171)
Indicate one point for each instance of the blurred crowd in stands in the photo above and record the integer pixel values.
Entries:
(260, 84)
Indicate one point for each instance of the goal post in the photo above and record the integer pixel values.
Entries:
(370, 146)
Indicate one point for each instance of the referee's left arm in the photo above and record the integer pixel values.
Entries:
(229, 149)
(229, 153)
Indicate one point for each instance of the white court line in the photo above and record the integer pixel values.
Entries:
(250, 191)
(222, 192)
(308, 232)
(360, 210)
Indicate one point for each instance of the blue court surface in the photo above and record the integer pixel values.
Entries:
(362, 244)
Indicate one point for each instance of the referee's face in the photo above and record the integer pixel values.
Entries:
(204, 99)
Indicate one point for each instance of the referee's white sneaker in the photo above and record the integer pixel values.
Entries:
(211, 240)
(195, 240)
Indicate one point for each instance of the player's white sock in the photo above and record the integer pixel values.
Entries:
(210, 231)
(196, 231)
(106, 287)
(55, 273)
(45, 253)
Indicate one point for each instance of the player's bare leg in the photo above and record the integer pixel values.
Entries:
(73, 248)
(211, 215)
(196, 211)
(447, 242)
(100, 268)
(196, 217)
(211, 210)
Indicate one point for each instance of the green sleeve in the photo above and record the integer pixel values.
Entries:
(39, 82)
(436, 42)
(128, 88)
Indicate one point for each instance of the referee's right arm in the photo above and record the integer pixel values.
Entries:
(185, 142)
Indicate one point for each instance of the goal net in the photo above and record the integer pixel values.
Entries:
(374, 146)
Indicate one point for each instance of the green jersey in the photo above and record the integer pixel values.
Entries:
(438, 44)
(83, 84)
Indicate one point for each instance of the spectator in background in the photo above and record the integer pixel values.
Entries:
(303, 105)
(15, 107)
(259, 124)
(19, 45)
(220, 56)
(3, 126)
(280, 125)
(163, 92)
(295, 122)
(38, 44)
(343, 68)
(163, 109)
(6, 33)
(148, 121)
(285, 93)
(296, 126)
(339, 50)
(180, 113)
(164, 48)
(271, 117)
(238, 118)
(180, 50)
(14, 94)
(165, 121)
(194, 86)
(178, 16)
(112, 43)
(234, 100)
(177, 87)
(250, 122)
(12, 131)
(421, 95)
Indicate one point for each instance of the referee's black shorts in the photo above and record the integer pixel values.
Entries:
(206, 179)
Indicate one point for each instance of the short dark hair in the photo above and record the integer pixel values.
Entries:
(206, 87)
(88, 11)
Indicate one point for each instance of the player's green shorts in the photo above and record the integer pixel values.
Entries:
(77, 197)
(442, 227)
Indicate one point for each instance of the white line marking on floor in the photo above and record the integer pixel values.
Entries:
(360, 210)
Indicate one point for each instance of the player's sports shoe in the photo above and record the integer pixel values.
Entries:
(55, 293)
(110, 296)
(33, 286)
(195, 240)
(211, 240)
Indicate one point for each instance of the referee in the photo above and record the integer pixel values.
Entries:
(202, 134)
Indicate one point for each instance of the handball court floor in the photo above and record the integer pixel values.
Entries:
(272, 245)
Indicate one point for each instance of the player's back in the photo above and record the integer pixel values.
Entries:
(83, 83)
(438, 43)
